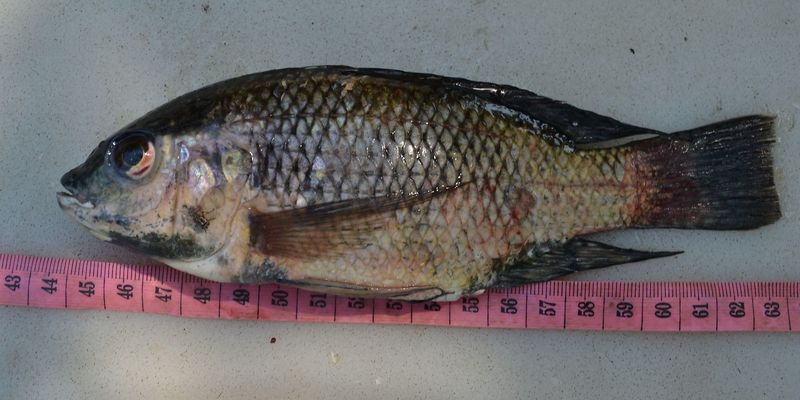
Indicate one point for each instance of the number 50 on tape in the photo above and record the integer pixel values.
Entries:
(609, 306)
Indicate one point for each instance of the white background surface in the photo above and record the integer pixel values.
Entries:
(71, 74)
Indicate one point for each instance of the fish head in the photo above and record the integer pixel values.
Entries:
(119, 191)
(171, 196)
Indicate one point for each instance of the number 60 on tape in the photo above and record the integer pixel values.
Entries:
(608, 306)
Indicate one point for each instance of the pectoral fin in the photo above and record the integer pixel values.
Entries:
(329, 228)
(407, 293)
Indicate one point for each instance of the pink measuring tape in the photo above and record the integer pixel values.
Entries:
(611, 306)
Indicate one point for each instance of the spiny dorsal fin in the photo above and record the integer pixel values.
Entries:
(576, 126)
(329, 228)
(546, 262)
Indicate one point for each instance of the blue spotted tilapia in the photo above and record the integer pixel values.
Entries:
(368, 182)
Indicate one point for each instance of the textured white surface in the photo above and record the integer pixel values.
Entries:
(71, 74)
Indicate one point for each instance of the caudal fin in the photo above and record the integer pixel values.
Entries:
(717, 176)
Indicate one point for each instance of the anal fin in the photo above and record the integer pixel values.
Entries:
(545, 262)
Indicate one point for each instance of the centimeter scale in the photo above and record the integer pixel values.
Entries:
(609, 306)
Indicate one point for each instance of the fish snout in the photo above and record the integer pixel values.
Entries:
(75, 180)
(74, 195)
(70, 180)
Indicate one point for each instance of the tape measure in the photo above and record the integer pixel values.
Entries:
(608, 306)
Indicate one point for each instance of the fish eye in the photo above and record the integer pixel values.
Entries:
(132, 154)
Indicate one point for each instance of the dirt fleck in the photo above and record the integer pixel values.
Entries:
(273, 340)
(632, 51)
(206, 8)
(199, 217)
(348, 84)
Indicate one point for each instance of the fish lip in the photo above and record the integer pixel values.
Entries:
(71, 204)
(68, 200)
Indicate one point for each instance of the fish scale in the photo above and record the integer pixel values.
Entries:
(431, 142)
(372, 182)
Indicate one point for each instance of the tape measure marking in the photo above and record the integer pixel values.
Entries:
(609, 306)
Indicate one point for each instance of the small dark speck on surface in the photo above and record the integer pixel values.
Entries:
(273, 340)
(206, 8)
(685, 39)
(632, 51)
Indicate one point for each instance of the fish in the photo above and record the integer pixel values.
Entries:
(372, 182)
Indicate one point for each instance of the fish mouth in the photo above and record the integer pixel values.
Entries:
(67, 200)
(73, 205)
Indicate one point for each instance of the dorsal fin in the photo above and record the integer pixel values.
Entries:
(573, 125)
(569, 124)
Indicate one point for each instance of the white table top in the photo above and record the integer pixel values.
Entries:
(72, 74)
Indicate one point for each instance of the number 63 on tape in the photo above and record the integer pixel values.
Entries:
(609, 306)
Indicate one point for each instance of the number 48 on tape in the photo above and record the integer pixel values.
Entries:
(611, 306)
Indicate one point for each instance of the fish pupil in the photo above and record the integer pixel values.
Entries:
(131, 155)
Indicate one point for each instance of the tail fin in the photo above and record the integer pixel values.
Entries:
(717, 176)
